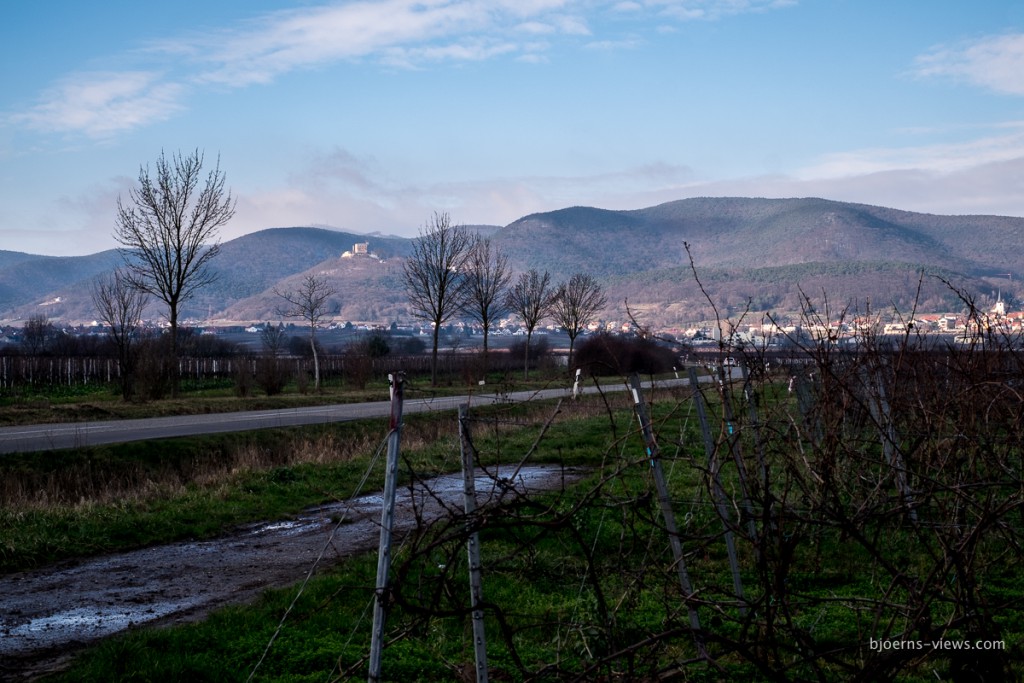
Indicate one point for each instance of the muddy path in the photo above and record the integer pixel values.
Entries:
(46, 616)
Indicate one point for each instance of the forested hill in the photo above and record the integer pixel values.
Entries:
(757, 233)
(764, 253)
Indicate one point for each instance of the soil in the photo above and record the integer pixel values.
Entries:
(47, 616)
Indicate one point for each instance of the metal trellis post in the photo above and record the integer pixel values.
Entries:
(473, 546)
(387, 518)
(654, 453)
(717, 490)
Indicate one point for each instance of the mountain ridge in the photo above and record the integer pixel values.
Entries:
(848, 252)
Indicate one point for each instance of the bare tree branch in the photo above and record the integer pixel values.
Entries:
(434, 276)
(487, 276)
(119, 306)
(168, 230)
(531, 298)
(575, 304)
(309, 302)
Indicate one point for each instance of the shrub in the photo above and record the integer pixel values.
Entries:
(152, 379)
(243, 377)
(539, 348)
(408, 346)
(271, 375)
(608, 354)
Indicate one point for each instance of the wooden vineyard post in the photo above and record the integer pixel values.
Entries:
(473, 546)
(654, 453)
(387, 519)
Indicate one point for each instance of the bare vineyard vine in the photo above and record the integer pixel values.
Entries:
(851, 515)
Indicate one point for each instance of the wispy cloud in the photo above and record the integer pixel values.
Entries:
(354, 192)
(99, 104)
(939, 158)
(993, 62)
(709, 10)
(393, 33)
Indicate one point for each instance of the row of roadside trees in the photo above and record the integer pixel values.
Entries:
(169, 233)
(453, 271)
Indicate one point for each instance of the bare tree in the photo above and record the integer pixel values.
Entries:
(309, 302)
(272, 339)
(530, 298)
(119, 306)
(169, 228)
(575, 304)
(37, 334)
(434, 277)
(487, 276)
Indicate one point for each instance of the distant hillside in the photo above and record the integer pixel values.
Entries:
(60, 287)
(257, 262)
(769, 253)
(761, 254)
(55, 286)
(752, 233)
(366, 290)
(10, 258)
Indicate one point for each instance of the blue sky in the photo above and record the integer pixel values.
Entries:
(369, 116)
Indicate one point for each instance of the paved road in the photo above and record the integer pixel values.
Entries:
(46, 437)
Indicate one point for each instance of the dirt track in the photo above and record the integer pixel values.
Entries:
(47, 615)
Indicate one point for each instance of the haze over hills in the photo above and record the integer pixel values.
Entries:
(766, 254)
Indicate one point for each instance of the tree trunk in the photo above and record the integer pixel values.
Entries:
(316, 361)
(173, 319)
(485, 351)
(433, 357)
(526, 356)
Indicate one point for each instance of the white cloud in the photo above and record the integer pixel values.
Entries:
(535, 28)
(994, 62)
(709, 10)
(101, 103)
(938, 158)
(356, 193)
(609, 45)
(452, 30)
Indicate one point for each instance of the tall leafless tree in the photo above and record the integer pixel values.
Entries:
(309, 302)
(119, 306)
(530, 298)
(575, 304)
(168, 231)
(434, 276)
(487, 277)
